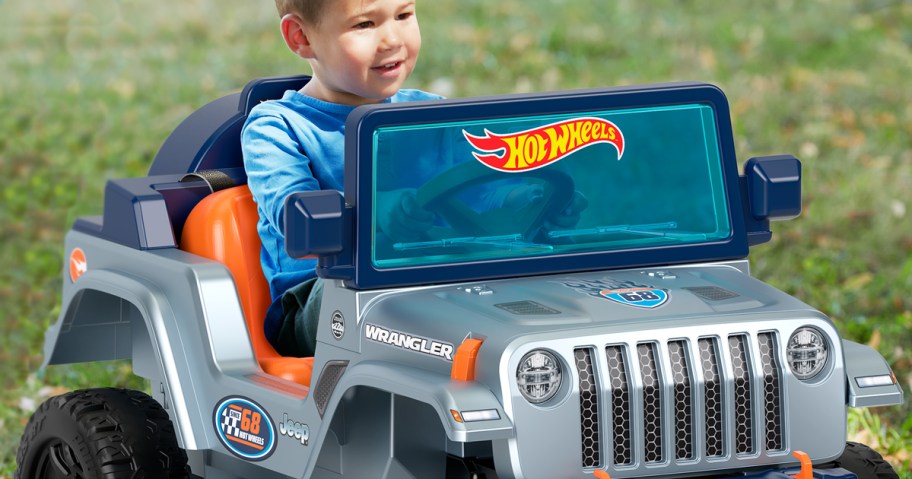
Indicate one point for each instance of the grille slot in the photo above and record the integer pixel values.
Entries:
(683, 400)
(712, 397)
(674, 402)
(744, 412)
(620, 403)
(652, 403)
(772, 391)
(589, 413)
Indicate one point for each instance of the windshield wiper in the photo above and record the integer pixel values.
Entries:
(508, 242)
(649, 229)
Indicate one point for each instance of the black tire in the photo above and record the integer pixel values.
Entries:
(459, 468)
(100, 434)
(865, 462)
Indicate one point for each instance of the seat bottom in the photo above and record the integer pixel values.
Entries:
(297, 370)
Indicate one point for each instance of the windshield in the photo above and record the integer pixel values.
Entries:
(470, 191)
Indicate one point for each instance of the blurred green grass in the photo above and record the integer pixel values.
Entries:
(90, 88)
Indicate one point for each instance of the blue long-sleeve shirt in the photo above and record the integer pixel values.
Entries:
(290, 145)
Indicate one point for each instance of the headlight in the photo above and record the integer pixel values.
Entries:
(538, 376)
(806, 352)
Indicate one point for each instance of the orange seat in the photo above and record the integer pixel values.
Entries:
(222, 227)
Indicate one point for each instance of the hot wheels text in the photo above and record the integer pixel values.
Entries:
(535, 148)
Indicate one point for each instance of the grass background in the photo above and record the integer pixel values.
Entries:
(90, 88)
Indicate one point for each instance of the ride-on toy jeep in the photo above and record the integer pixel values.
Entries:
(497, 343)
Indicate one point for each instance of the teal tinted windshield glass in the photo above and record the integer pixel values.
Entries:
(481, 190)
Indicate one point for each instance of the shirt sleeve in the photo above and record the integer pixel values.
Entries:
(276, 166)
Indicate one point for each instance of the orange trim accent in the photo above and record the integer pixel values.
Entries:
(456, 415)
(464, 360)
(246, 443)
(235, 407)
(222, 227)
(893, 375)
(600, 474)
(807, 469)
(78, 264)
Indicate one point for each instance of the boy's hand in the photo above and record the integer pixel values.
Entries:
(400, 216)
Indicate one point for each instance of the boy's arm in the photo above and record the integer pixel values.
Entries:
(275, 166)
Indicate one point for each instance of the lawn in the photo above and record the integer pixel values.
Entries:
(89, 90)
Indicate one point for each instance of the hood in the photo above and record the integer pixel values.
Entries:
(597, 301)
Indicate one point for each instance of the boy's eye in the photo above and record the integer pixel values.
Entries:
(364, 24)
(405, 15)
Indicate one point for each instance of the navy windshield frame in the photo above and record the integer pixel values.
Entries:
(365, 120)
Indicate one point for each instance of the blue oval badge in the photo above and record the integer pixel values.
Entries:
(639, 297)
(244, 428)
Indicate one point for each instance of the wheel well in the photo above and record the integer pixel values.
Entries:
(375, 433)
(100, 326)
(96, 327)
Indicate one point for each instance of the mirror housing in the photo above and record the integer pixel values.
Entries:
(774, 187)
(314, 223)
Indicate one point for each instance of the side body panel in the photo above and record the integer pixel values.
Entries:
(177, 317)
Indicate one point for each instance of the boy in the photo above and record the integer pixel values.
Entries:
(360, 52)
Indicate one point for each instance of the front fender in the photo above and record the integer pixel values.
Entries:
(175, 315)
(113, 316)
(869, 379)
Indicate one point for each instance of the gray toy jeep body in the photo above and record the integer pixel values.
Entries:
(637, 348)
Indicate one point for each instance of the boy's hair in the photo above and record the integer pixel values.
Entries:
(308, 10)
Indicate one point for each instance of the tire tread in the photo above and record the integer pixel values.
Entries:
(122, 434)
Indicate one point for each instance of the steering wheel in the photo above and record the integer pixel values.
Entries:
(440, 195)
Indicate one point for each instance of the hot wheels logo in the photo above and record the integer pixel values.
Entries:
(538, 147)
(244, 428)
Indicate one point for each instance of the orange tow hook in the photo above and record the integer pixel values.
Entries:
(600, 474)
(807, 469)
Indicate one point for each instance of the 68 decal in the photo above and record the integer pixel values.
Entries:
(639, 297)
(244, 428)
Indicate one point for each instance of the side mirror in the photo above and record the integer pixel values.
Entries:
(774, 187)
(314, 223)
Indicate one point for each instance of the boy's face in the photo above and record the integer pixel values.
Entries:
(362, 51)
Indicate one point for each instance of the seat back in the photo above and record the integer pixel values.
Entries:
(222, 227)
(210, 138)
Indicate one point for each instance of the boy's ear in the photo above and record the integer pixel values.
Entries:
(296, 34)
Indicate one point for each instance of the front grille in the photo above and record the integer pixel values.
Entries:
(701, 397)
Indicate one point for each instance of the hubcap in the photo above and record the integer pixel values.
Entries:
(58, 461)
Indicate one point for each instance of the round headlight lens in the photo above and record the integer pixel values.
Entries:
(806, 352)
(538, 376)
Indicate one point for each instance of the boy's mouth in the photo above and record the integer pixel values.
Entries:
(387, 66)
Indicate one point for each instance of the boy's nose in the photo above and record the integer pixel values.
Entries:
(391, 38)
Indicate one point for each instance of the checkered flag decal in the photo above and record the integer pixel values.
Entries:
(230, 421)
